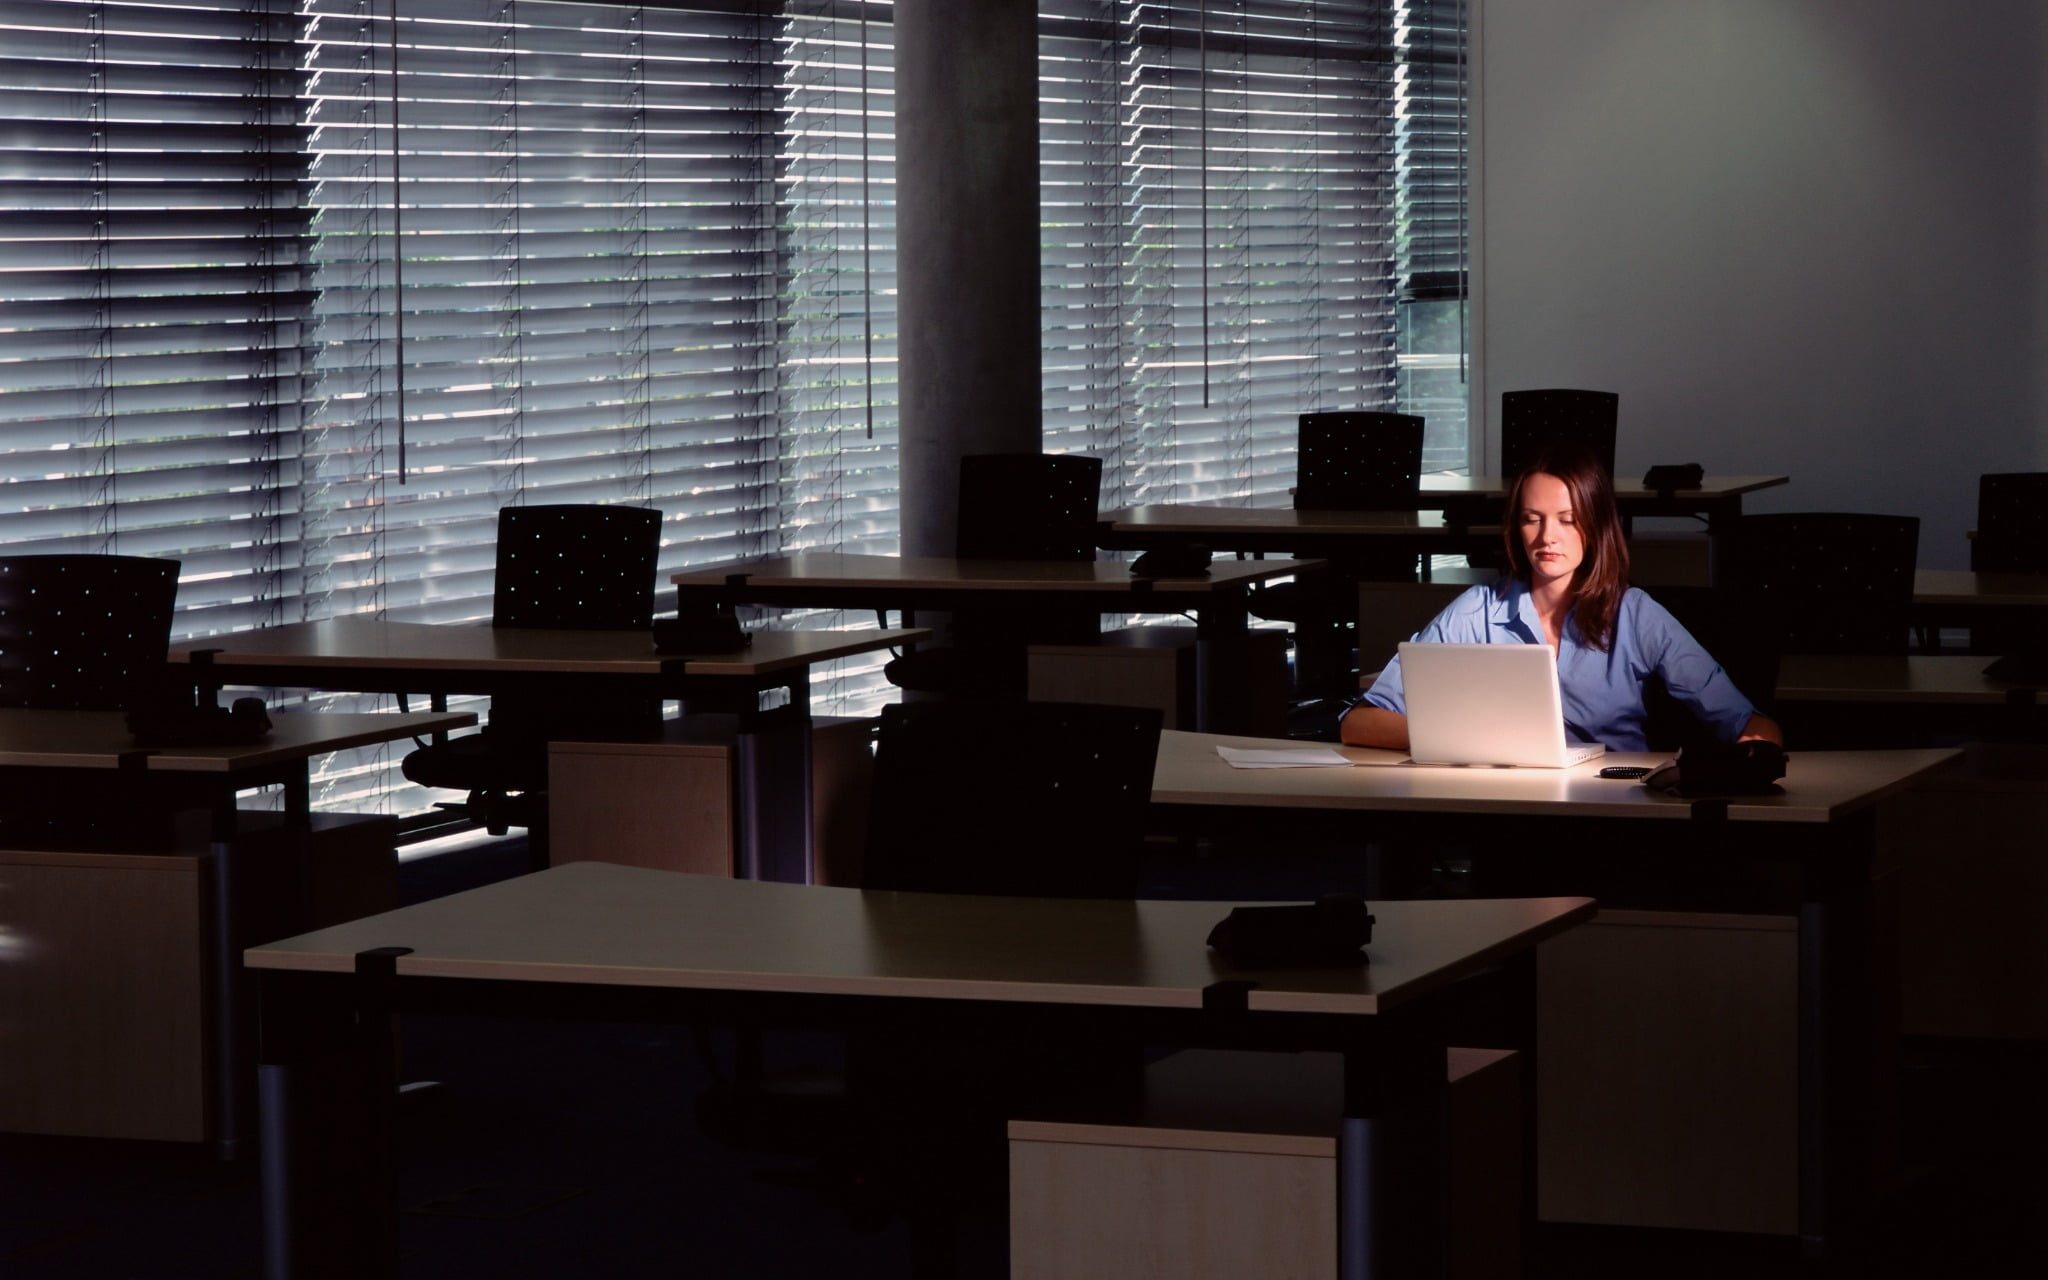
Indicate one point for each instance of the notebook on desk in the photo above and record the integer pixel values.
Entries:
(1488, 704)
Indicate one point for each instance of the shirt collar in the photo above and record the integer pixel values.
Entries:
(1516, 610)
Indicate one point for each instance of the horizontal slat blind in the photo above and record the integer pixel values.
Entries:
(584, 210)
(1432, 107)
(152, 289)
(1218, 186)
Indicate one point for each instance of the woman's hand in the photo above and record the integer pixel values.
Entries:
(1761, 728)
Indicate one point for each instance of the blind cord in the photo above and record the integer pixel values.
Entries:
(397, 248)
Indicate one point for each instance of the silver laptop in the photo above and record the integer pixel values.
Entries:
(1491, 704)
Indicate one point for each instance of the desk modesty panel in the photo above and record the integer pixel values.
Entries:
(355, 644)
(596, 923)
(1820, 786)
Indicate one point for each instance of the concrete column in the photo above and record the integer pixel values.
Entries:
(966, 247)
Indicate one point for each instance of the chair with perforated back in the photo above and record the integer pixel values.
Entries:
(1744, 641)
(2012, 523)
(83, 632)
(1063, 815)
(1345, 462)
(1060, 814)
(562, 567)
(1013, 506)
(1829, 582)
(1358, 461)
(1529, 420)
(1027, 506)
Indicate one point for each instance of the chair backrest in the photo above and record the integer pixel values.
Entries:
(1041, 799)
(85, 632)
(586, 568)
(1027, 506)
(1530, 420)
(2012, 523)
(1747, 644)
(1832, 582)
(1358, 461)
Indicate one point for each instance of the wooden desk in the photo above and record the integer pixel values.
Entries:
(832, 580)
(1822, 830)
(603, 942)
(1963, 598)
(772, 800)
(43, 750)
(1917, 680)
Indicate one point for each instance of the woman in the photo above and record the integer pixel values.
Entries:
(1567, 587)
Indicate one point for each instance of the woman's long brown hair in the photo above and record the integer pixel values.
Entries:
(1602, 576)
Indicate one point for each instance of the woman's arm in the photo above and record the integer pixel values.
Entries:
(1368, 726)
(1763, 727)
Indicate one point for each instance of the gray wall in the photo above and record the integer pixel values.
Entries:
(1807, 236)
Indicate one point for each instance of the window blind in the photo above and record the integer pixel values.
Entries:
(153, 290)
(1218, 191)
(1433, 227)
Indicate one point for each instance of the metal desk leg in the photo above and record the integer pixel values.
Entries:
(1390, 1171)
(1220, 660)
(224, 962)
(327, 1083)
(1837, 1045)
(772, 787)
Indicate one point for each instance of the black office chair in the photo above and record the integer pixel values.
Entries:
(1529, 420)
(1013, 506)
(568, 567)
(1050, 801)
(2012, 523)
(84, 632)
(1061, 816)
(1746, 643)
(2012, 529)
(1827, 582)
(1345, 462)
(81, 633)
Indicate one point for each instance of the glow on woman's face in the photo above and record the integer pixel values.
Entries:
(1551, 536)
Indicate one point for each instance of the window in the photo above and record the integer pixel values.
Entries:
(302, 293)
(1219, 184)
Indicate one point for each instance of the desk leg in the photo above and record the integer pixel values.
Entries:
(1220, 661)
(1390, 1172)
(1837, 1046)
(230, 1030)
(327, 1081)
(772, 828)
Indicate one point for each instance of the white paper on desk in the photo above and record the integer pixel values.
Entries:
(1286, 758)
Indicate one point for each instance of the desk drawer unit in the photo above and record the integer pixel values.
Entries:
(1668, 1072)
(1229, 1170)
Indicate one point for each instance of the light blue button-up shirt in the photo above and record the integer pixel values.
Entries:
(1602, 692)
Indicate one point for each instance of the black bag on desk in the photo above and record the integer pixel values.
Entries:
(245, 722)
(1669, 476)
(1334, 930)
(1729, 769)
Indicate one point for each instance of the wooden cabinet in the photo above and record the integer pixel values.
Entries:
(1668, 1072)
(105, 1014)
(1229, 1170)
(669, 805)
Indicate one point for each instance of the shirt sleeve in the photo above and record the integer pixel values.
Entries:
(1689, 672)
(1463, 621)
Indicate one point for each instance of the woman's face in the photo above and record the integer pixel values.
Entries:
(1550, 531)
